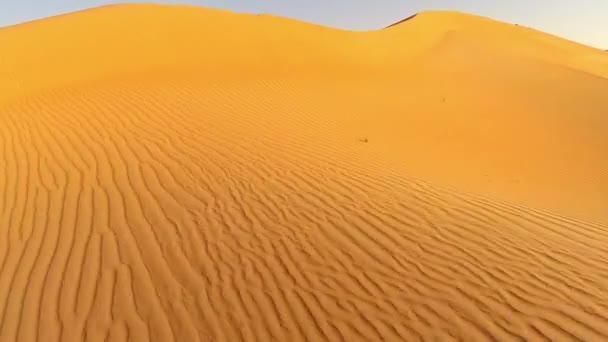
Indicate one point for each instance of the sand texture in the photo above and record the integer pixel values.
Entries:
(175, 173)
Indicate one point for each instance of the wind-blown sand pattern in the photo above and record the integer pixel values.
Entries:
(182, 174)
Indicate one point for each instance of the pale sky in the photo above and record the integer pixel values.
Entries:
(585, 21)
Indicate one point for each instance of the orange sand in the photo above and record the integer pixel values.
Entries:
(172, 173)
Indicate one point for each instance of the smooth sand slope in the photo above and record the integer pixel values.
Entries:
(183, 174)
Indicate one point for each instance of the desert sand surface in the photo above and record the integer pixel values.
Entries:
(173, 173)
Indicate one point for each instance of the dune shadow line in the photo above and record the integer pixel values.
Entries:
(402, 21)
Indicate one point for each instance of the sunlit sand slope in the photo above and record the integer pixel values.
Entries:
(181, 174)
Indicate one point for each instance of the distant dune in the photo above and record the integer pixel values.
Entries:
(173, 173)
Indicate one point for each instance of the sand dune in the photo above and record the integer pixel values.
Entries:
(172, 173)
